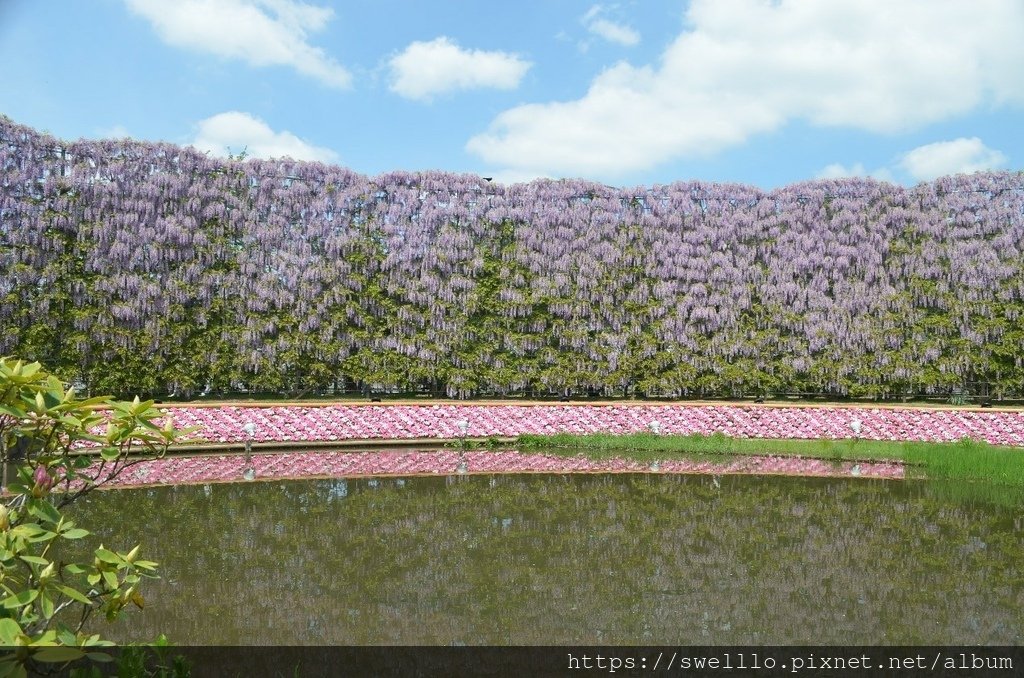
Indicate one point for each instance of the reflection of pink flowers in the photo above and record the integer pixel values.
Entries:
(309, 464)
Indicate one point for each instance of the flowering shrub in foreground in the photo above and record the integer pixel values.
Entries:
(40, 424)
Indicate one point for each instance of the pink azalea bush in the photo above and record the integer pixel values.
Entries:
(367, 422)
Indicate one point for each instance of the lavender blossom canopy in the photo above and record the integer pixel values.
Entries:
(184, 271)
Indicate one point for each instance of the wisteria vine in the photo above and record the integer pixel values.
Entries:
(185, 272)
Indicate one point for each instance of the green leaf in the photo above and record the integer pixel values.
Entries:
(35, 560)
(92, 403)
(95, 641)
(12, 412)
(108, 556)
(19, 600)
(10, 669)
(75, 533)
(48, 638)
(43, 536)
(72, 421)
(111, 579)
(27, 530)
(44, 510)
(110, 453)
(74, 594)
(75, 568)
(19, 488)
(9, 632)
(58, 654)
(46, 605)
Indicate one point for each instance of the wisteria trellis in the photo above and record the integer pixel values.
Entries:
(180, 271)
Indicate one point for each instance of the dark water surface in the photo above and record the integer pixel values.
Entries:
(597, 559)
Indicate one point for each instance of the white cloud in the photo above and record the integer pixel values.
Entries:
(924, 163)
(839, 171)
(609, 30)
(744, 67)
(612, 32)
(235, 132)
(509, 177)
(259, 32)
(425, 69)
(959, 156)
(115, 132)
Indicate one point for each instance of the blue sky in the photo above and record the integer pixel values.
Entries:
(637, 92)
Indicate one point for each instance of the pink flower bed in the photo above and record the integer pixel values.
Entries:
(404, 422)
(190, 470)
(346, 422)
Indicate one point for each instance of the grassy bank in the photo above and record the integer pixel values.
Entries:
(965, 460)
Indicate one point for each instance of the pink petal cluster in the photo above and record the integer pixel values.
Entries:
(366, 422)
(42, 477)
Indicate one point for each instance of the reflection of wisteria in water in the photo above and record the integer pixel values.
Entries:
(573, 559)
(338, 489)
(285, 275)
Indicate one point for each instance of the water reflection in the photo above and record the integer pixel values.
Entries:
(569, 560)
(338, 489)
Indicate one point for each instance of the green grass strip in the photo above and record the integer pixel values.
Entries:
(967, 460)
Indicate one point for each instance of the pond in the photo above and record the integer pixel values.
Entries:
(569, 559)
